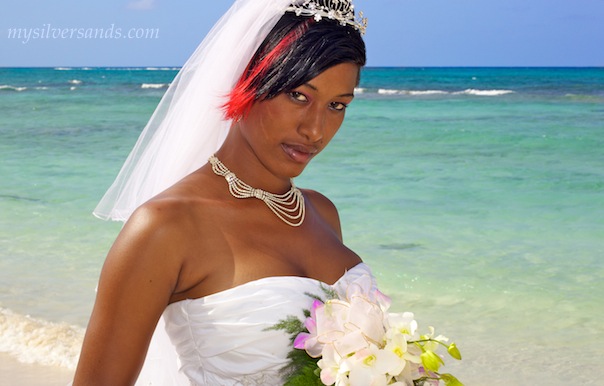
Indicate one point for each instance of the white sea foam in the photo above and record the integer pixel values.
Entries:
(359, 90)
(63, 68)
(13, 88)
(469, 91)
(123, 68)
(38, 341)
(385, 91)
(73, 88)
(162, 68)
(472, 91)
(155, 85)
(411, 92)
(75, 81)
(427, 92)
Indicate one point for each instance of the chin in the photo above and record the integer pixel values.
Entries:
(296, 170)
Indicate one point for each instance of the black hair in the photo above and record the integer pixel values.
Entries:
(296, 50)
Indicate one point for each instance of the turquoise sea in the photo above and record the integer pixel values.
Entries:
(476, 195)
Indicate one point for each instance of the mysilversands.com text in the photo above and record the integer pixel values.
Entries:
(47, 32)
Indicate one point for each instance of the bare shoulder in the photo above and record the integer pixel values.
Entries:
(141, 272)
(161, 214)
(319, 200)
(171, 215)
(325, 209)
(157, 222)
(147, 249)
(171, 221)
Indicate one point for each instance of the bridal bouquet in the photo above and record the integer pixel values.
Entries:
(353, 340)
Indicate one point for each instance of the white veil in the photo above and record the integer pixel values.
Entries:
(188, 125)
(186, 128)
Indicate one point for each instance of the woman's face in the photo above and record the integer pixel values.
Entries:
(286, 132)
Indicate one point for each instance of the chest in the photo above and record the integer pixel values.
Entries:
(313, 249)
(234, 253)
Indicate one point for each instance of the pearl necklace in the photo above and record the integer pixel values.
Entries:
(289, 206)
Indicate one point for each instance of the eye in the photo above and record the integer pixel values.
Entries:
(338, 106)
(298, 96)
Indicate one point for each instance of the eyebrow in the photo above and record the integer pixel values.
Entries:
(316, 89)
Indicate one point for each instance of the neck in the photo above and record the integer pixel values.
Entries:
(289, 206)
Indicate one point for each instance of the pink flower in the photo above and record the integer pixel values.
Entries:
(304, 340)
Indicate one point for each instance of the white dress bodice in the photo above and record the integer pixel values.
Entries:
(226, 338)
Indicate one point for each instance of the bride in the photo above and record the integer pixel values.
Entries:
(218, 242)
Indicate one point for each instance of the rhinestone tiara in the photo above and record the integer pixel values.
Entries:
(339, 10)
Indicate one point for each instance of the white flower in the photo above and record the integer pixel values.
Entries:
(349, 327)
(373, 366)
(331, 372)
(366, 317)
(360, 344)
(397, 344)
(403, 324)
(365, 286)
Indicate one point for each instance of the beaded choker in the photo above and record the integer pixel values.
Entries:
(340, 10)
(289, 206)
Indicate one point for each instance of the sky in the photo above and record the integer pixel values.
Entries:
(400, 33)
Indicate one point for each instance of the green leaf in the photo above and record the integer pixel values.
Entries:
(450, 380)
(306, 376)
(454, 351)
(292, 325)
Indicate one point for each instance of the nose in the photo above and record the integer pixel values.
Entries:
(312, 126)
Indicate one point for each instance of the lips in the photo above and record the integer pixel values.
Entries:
(299, 153)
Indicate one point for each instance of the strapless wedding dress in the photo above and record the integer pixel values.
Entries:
(226, 339)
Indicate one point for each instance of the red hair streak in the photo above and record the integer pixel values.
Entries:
(243, 94)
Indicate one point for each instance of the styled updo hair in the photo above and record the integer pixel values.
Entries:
(295, 51)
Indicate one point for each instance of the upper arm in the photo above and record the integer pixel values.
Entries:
(137, 280)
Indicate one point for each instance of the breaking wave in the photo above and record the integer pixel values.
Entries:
(37, 341)
(383, 91)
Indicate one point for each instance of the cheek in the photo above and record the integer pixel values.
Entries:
(268, 121)
(281, 117)
(333, 126)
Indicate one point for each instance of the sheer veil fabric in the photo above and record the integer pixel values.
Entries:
(188, 125)
(186, 128)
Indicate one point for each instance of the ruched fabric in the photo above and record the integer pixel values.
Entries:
(226, 338)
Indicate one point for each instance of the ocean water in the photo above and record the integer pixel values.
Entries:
(476, 195)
